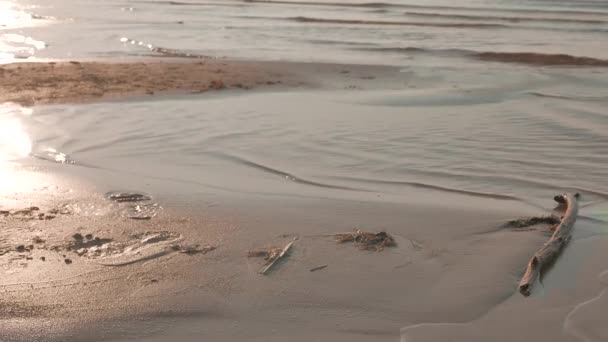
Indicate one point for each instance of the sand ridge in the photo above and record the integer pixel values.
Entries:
(72, 82)
(60, 82)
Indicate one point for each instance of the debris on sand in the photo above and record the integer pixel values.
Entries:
(122, 197)
(217, 85)
(61, 211)
(80, 242)
(135, 206)
(318, 268)
(193, 249)
(21, 213)
(367, 241)
(522, 223)
(271, 254)
(26, 211)
(141, 218)
(32, 213)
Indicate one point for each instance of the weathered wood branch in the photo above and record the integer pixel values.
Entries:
(552, 248)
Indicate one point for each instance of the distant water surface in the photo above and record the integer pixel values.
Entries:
(401, 32)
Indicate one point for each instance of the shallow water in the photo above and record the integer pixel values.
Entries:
(503, 142)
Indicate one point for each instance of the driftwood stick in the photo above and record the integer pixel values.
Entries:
(279, 257)
(314, 269)
(552, 248)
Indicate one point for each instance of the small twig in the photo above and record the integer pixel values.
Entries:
(318, 268)
(280, 256)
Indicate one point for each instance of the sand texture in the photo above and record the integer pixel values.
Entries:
(61, 82)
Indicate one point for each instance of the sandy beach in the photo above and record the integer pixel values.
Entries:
(71, 81)
(75, 275)
(302, 170)
(58, 287)
(83, 264)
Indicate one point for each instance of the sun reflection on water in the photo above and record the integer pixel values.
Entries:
(12, 44)
(15, 144)
(11, 17)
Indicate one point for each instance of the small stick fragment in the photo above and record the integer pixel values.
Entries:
(552, 248)
(280, 256)
(318, 268)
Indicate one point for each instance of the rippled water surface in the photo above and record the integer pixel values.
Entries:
(391, 32)
(507, 141)
(462, 121)
(466, 119)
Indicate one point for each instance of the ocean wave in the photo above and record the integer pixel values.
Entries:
(433, 187)
(393, 23)
(384, 5)
(283, 174)
(438, 24)
(510, 19)
(339, 42)
(528, 58)
(532, 58)
(163, 52)
(569, 97)
(198, 4)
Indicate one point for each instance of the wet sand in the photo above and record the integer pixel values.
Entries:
(54, 82)
(80, 266)
(67, 82)
(449, 255)
(155, 269)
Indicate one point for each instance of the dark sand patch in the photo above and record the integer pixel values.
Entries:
(60, 82)
(65, 82)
